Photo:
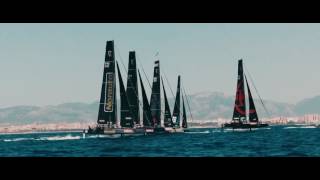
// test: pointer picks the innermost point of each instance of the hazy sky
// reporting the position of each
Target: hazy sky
(48, 64)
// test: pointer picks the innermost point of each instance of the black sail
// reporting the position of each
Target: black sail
(167, 113)
(146, 106)
(132, 87)
(108, 102)
(253, 116)
(176, 109)
(126, 119)
(155, 102)
(184, 115)
(239, 112)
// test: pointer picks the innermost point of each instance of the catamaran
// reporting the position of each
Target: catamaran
(168, 126)
(108, 123)
(172, 122)
(239, 119)
(107, 116)
(129, 123)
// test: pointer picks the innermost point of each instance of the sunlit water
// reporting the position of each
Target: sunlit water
(271, 141)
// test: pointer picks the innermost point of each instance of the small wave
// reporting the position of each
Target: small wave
(237, 130)
(17, 139)
(268, 128)
(199, 132)
(103, 136)
(301, 127)
(309, 127)
(59, 138)
(50, 138)
(291, 127)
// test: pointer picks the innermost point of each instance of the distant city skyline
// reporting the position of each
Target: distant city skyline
(49, 64)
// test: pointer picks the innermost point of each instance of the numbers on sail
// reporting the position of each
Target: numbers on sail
(109, 53)
(107, 65)
(174, 119)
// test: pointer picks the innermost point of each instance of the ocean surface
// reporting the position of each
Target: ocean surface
(283, 141)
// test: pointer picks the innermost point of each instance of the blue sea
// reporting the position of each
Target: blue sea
(283, 141)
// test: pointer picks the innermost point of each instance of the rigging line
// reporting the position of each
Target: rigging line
(174, 100)
(265, 108)
(187, 98)
(143, 71)
(174, 96)
(138, 59)
(136, 93)
(162, 112)
(165, 76)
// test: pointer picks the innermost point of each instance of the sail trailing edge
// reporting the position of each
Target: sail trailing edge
(184, 115)
(176, 109)
(167, 113)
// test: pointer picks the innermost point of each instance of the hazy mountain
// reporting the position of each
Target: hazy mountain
(205, 106)
(308, 106)
(69, 112)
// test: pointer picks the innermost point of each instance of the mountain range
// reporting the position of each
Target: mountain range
(204, 106)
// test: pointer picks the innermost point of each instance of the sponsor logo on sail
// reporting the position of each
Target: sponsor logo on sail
(108, 103)
(109, 53)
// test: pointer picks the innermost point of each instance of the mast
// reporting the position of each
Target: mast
(167, 113)
(155, 102)
(108, 102)
(146, 106)
(253, 116)
(176, 109)
(184, 115)
(239, 113)
(132, 87)
(125, 112)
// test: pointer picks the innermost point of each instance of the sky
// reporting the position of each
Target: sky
(48, 64)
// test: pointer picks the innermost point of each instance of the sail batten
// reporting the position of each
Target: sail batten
(126, 118)
(108, 102)
(176, 110)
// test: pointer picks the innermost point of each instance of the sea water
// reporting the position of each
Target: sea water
(297, 141)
